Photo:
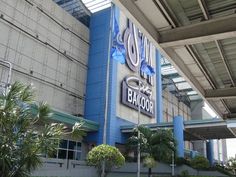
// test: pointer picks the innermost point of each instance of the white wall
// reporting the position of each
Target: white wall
(224, 150)
(54, 76)
(220, 150)
(62, 168)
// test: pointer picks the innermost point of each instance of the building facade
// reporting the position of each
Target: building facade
(71, 66)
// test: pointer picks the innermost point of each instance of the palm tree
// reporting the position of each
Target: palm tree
(158, 144)
(21, 141)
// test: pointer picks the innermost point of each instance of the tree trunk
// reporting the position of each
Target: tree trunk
(149, 172)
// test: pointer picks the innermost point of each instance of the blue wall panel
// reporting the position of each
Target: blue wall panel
(96, 77)
(114, 134)
(179, 134)
(210, 152)
(159, 108)
(99, 55)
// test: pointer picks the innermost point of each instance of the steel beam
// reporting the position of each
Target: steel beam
(171, 76)
(207, 16)
(230, 116)
(221, 51)
(203, 7)
(205, 12)
(226, 93)
(210, 30)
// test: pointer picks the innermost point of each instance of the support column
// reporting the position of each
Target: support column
(210, 152)
(96, 77)
(179, 135)
(159, 110)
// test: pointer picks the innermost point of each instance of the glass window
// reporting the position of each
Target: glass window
(68, 149)
(78, 155)
(72, 145)
(78, 146)
(70, 154)
(63, 144)
(62, 154)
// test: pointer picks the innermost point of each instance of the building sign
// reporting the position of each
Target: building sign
(138, 48)
(135, 93)
(137, 90)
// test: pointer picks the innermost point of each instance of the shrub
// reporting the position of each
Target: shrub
(184, 173)
(104, 154)
(200, 162)
(181, 161)
(149, 162)
(222, 169)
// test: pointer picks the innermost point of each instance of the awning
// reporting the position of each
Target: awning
(71, 120)
(197, 129)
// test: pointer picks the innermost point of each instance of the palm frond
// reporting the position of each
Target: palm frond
(43, 112)
(78, 131)
(159, 144)
(20, 140)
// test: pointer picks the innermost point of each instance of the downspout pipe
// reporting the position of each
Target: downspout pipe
(9, 64)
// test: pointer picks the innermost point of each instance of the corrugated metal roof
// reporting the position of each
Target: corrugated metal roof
(211, 59)
(189, 11)
(96, 5)
(177, 84)
(77, 9)
(82, 9)
(218, 62)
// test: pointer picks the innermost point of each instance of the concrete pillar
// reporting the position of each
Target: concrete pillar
(159, 110)
(179, 135)
(210, 152)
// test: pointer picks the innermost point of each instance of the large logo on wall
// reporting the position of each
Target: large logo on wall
(137, 89)
(136, 93)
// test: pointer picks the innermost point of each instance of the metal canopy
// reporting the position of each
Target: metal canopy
(88, 125)
(198, 37)
(70, 120)
(96, 5)
(198, 130)
(77, 9)
(82, 9)
(209, 129)
(176, 84)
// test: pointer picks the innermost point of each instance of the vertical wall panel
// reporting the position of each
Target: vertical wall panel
(52, 73)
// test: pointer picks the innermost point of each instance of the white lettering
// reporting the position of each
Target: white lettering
(130, 95)
(135, 83)
(147, 105)
(135, 99)
(151, 107)
(143, 102)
